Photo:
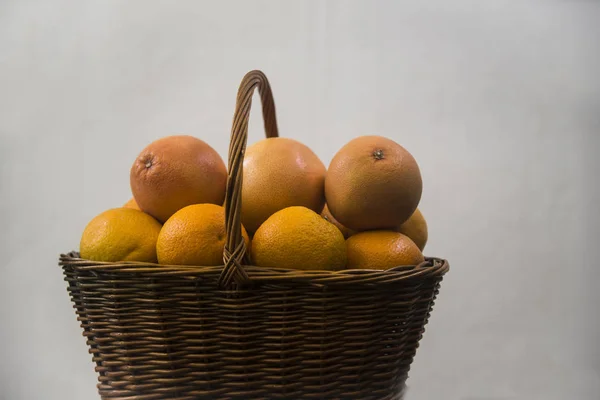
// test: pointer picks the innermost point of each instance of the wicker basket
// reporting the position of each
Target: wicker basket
(243, 332)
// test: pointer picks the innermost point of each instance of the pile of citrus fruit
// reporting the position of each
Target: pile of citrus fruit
(360, 213)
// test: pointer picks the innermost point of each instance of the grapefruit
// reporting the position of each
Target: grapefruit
(373, 183)
(177, 171)
(280, 173)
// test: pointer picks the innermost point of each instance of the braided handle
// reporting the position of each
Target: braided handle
(234, 254)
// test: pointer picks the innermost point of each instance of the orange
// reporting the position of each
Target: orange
(373, 183)
(120, 234)
(381, 250)
(194, 235)
(328, 217)
(416, 229)
(298, 238)
(280, 173)
(131, 204)
(174, 172)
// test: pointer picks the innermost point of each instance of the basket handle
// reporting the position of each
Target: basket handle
(234, 254)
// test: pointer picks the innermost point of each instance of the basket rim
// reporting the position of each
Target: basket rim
(432, 267)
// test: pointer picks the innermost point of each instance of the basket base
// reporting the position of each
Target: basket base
(162, 396)
(157, 335)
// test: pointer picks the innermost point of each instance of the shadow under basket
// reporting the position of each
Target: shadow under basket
(242, 332)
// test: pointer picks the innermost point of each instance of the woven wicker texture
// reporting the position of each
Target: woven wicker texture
(244, 332)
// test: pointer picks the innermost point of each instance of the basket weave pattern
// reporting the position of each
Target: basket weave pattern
(243, 332)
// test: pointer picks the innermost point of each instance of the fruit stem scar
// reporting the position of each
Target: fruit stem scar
(378, 154)
(148, 162)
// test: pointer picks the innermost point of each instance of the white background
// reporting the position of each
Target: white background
(498, 101)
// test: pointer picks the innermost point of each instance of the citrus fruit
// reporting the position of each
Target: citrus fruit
(174, 172)
(120, 234)
(299, 238)
(131, 204)
(381, 250)
(416, 229)
(280, 173)
(372, 183)
(194, 235)
(328, 217)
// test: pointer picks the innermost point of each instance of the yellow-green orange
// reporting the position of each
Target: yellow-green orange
(120, 234)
